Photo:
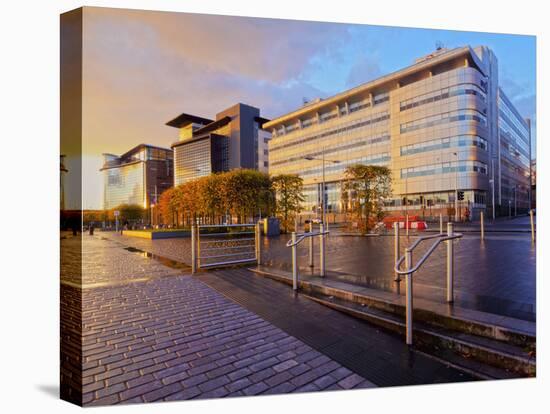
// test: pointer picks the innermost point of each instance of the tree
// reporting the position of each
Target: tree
(289, 196)
(245, 192)
(364, 190)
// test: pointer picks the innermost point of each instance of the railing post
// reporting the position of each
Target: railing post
(450, 264)
(482, 224)
(193, 249)
(532, 225)
(258, 244)
(409, 298)
(310, 241)
(440, 223)
(322, 249)
(396, 247)
(407, 224)
(294, 263)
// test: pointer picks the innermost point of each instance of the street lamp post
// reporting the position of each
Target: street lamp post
(324, 160)
(492, 181)
(456, 188)
(515, 200)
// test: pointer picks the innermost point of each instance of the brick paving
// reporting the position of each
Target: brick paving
(138, 331)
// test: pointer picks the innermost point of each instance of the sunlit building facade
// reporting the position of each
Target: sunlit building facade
(443, 126)
(138, 177)
(235, 139)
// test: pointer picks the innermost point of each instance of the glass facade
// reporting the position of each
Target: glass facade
(432, 123)
(125, 185)
(192, 160)
(137, 177)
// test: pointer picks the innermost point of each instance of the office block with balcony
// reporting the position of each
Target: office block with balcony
(137, 177)
(442, 125)
(235, 139)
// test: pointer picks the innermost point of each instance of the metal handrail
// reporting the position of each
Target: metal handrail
(205, 226)
(302, 236)
(440, 237)
(297, 239)
(407, 257)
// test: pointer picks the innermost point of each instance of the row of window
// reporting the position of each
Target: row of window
(353, 144)
(444, 168)
(512, 118)
(374, 118)
(457, 90)
(442, 143)
(454, 116)
(326, 116)
(381, 158)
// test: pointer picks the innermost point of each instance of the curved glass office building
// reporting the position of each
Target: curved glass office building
(442, 125)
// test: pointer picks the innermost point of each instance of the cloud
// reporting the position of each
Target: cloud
(365, 69)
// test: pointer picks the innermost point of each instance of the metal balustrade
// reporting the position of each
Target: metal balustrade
(410, 269)
(296, 239)
(211, 248)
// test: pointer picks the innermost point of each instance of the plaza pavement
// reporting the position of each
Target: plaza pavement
(496, 275)
(142, 332)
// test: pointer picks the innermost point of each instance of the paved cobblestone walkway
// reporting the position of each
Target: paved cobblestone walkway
(171, 337)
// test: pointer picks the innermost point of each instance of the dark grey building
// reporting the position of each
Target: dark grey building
(235, 139)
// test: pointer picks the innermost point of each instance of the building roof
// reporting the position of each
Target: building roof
(380, 82)
(212, 126)
(140, 146)
(186, 119)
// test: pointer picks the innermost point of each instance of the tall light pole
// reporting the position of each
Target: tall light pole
(310, 158)
(492, 181)
(456, 187)
(515, 200)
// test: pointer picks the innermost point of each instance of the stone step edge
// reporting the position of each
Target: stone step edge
(492, 331)
(424, 340)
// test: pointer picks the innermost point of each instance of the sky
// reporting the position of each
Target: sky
(143, 68)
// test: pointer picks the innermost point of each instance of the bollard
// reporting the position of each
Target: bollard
(322, 249)
(310, 241)
(482, 224)
(450, 264)
(258, 244)
(407, 224)
(532, 225)
(193, 249)
(440, 223)
(396, 247)
(294, 263)
(409, 295)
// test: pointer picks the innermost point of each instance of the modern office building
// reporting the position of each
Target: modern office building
(235, 139)
(137, 177)
(442, 125)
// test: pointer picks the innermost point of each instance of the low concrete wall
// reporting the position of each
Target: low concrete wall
(156, 234)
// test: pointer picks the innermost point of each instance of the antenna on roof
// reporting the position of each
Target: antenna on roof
(439, 45)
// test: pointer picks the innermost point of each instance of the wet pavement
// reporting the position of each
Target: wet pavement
(135, 330)
(495, 275)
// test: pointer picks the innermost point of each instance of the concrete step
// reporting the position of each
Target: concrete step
(505, 346)
(483, 357)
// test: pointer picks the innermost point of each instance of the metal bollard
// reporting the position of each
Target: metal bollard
(193, 249)
(407, 225)
(440, 223)
(294, 263)
(532, 225)
(409, 296)
(450, 264)
(258, 244)
(322, 249)
(310, 241)
(482, 224)
(396, 247)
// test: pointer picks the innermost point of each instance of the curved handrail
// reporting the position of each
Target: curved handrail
(440, 237)
(302, 236)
